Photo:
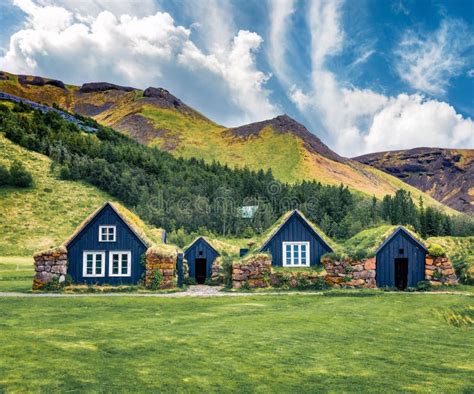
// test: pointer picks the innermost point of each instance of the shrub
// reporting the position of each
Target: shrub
(349, 269)
(54, 285)
(302, 282)
(320, 284)
(156, 279)
(19, 176)
(190, 280)
(423, 285)
(360, 254)
(437, 275)
(227, 271)
(436, 250)
(4, 176)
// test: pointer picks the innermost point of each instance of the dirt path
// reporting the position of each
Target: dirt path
(197, 291)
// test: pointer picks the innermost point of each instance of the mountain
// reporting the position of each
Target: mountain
(157, 118)
(445, 174)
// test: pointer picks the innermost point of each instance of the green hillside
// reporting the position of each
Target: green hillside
(162, 120)
(46, 214)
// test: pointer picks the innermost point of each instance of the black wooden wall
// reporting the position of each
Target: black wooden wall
(296, 230)
(88, 240)
(200, 249)
(385, 269)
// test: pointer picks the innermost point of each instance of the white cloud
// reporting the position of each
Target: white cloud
(91, 8)
(407, 121)
(428, 62)
(280, 13)
(141, 51)
(214, 25)
(360, 120)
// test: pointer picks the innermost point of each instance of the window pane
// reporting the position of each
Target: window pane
(303, 253)
(124, 264)
(296, 255)
(115, 264)
(98, 264)
(89, 264)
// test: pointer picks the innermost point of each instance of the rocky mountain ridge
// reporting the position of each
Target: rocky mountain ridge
(445, 174)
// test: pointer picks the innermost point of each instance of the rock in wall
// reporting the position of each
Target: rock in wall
(439, 271)
(49, 265)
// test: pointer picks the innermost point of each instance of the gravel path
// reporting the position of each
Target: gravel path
(197, 291)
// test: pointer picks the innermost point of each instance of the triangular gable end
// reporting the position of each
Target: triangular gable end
(305, 223)
(205, 241)
(394, 234)
(91, 217)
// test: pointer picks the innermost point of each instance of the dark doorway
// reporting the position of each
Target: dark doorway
(200, 270)
(401, 273)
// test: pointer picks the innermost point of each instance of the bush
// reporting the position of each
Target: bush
(227, 268)
(54, 285)
(156, 279)
(4, 176)
(436, 250)
(320, 284)
(190, 281)
(19, 176)
(423, 285)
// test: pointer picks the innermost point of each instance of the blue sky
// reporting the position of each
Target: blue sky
(364, 75)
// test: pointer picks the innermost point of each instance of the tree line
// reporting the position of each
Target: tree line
(191, 196)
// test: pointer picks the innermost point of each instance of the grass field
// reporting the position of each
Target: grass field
(16, 273)
(383, 343)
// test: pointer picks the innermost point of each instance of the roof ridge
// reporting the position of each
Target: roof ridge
(91, 217)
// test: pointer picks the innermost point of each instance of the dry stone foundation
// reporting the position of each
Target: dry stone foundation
(50, 265)
(253, 272)
(165, 262)
(439, 271)
(217, 272)
(350, 272)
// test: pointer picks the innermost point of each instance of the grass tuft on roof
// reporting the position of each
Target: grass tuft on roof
(365, 243)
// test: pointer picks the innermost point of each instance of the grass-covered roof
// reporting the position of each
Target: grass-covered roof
(150, 236)
(366, 242)
(267, 235)
(224, 247)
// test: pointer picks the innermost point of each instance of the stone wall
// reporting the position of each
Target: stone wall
(217, 272)
(350, 273)
(439, 271)
(254, 271)
(50, 265)
(163, 261)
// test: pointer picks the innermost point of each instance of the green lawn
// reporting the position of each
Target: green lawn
(16, 273)
(382, 343)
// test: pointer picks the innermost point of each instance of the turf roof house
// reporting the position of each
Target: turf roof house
(203, 256)
(107, 248)
(295, 242)
(200, 256)
(400, 260)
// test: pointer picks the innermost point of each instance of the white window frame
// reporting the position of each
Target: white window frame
(298, 245)
(114, 233)
(94, 262)
(127, 253)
